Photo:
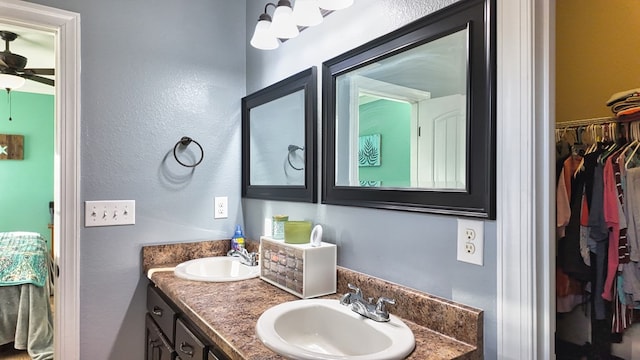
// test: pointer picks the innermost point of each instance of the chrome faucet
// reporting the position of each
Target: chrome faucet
(246, 258)
(355, 301)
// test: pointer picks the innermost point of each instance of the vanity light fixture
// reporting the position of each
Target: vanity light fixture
(307, 13)
(334, 4)
(287, 21)
(263, 38)
(283, 26)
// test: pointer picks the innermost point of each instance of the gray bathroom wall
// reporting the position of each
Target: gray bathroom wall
(416, 250)
(152, 72)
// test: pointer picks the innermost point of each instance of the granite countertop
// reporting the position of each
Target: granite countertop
(227, 312)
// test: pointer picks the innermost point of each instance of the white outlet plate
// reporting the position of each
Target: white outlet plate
(470, 241)
(221, 207)
(109, 213)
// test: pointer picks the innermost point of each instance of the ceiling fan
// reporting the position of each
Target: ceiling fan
(14, 64)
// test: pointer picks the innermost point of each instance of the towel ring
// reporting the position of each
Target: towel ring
(293, 149)
(185, 141)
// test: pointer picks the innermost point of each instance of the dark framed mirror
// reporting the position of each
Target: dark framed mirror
(279, 134)
(409, 118)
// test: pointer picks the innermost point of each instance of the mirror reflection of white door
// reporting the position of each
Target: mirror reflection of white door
(441, 143)
(366, 89)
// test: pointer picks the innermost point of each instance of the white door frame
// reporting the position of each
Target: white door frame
(66, 27)
(525, 107)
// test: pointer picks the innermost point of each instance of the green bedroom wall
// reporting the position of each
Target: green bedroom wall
(392, 120)
(26, 186)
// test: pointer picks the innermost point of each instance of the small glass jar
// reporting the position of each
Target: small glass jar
(277, 228)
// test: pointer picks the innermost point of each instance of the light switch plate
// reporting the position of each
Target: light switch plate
(109, 213)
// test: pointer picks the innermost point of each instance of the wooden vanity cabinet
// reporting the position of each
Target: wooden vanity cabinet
(172, 336)
(213, 356)
(188, 346)
(157, 346)
(161, 312)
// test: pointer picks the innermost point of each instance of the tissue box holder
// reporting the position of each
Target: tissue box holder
(300, 269)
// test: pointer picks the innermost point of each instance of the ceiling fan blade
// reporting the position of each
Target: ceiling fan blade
(32, 71)
(40, 79)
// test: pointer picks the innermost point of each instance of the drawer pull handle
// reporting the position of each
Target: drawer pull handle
(157, 311)
(186, 348)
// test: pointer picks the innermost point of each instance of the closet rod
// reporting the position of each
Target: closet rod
(584, 122)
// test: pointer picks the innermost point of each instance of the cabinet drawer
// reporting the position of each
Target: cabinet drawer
(161, 312)
(214, 356)
(188, 346)
(157, 346)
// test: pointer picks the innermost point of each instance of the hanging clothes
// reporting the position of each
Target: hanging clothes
(569, 256)
(593, 245)
(615, 220)
(633, 211)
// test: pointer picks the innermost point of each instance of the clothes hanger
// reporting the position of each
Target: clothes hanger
(632, 138)
(591, 130)
(613, 128)
(612, 147)
(630, 157)
(580, 166)
(635, 130)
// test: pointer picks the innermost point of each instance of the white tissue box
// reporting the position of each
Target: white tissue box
(300, 269)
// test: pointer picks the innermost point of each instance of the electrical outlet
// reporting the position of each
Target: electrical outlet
(469, 248)
(470, 242)
(220, 207)
(470, 234)
(109, 213)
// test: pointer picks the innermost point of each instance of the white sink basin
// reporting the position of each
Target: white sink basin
(325, 329)
(216, 269)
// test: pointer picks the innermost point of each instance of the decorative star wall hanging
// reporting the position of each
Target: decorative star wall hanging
(11, 147)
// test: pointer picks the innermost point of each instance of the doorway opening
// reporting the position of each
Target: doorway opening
(65, 26)
(594, 287)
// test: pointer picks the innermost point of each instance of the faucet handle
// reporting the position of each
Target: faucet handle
(254, 258)
(357, 291)
(381, 302)
(346, 299)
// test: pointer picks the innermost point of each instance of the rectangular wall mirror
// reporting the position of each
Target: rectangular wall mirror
(279, 140)
(408, 118)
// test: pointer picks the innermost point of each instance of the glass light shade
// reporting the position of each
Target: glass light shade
(8, 81)
(263, 38)
(334, 4)
(307, 13)
(283, 26)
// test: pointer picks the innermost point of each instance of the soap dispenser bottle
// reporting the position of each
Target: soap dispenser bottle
(237, 241)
